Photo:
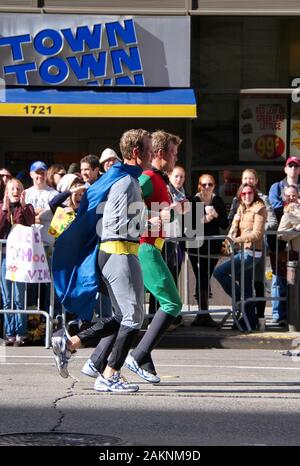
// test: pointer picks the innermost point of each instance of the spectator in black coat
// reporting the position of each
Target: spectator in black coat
(215, 217)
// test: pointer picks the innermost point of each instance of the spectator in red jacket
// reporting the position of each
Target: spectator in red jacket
(13, 210)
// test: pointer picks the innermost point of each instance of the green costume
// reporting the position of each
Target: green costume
(157, 276)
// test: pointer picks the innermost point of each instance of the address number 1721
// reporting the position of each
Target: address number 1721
(38, 109)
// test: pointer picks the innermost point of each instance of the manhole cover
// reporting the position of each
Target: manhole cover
(57, 439)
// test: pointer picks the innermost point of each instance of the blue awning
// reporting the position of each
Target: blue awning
(66, 102)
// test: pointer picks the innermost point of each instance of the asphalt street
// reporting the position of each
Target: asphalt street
(206, 397)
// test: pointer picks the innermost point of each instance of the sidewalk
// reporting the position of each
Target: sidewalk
(274, 337)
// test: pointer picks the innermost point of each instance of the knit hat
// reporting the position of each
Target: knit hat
(108, 154)
(74, 168)
(66, 182)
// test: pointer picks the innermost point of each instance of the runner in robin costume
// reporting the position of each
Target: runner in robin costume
(157, 276)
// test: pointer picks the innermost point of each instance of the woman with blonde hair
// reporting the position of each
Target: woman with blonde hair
(251, 219)
(13, 210)
(203, 265)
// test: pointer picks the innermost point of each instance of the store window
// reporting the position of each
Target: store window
(229, 56)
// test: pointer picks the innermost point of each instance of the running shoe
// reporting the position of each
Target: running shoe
(61, 354)
(117, 384)
(89, 369)
(132, 365)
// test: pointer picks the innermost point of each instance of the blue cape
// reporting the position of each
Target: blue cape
(75, 270)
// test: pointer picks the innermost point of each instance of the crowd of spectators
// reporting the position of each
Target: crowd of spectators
(251, 214)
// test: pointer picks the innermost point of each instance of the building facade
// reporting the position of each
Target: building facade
(239, 57)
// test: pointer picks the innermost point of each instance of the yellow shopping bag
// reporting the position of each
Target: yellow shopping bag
(61, 220)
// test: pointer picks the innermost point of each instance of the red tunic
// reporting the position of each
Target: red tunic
(156, 197)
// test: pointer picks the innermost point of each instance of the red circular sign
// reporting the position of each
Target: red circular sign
(269, 146)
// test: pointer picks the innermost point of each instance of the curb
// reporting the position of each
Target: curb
(204, 340)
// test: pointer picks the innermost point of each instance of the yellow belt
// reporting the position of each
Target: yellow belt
(119, 247)
(159, 243)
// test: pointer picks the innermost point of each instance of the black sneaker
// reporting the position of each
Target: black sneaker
(282, 323)
(178, 322)
(204, 320)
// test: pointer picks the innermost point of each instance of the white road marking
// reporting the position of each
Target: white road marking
(230, 367)
(26, 364)
(192, 366)
(28, 357)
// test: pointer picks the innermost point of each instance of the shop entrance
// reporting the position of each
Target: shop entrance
(67, 140)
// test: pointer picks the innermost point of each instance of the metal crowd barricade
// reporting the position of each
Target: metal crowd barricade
(275, 268)
(235, 310)
(194, 244)
(48, 314)
(238, 308)
(191, 245)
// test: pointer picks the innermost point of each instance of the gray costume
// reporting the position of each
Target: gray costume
(121, 273)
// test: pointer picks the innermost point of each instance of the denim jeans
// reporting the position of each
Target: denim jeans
(14, 324)
(278, 290)
(223, 275)
(45, 288)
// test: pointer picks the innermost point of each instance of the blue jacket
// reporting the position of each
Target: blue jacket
(275, 194)
(75, 271)
(276, 197)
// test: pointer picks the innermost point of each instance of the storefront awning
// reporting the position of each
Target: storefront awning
(95, 103)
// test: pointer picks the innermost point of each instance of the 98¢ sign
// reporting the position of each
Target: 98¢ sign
(269, 146)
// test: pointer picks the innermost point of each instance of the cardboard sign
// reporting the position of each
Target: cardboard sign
(25, 256)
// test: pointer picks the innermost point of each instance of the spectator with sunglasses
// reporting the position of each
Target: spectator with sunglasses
(276, 198)
(250, 176)
(203, 266)
(54, 174)
(5, 175)
(251, 218)
(292, 171)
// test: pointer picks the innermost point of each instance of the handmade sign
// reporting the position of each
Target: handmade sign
(25, 256)
(61, 220)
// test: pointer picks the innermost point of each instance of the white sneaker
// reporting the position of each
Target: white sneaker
(61, 355)
(117, 384)
(90, 370)
(20, 340)
(132, 365)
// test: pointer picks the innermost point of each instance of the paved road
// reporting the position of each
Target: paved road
(206, 397)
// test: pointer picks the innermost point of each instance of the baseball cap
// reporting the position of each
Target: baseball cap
(38, 165)
(293, 160)
(108, 154)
